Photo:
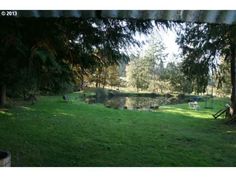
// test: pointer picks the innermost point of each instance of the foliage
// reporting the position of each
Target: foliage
(138, 74)
(146, 71)
(104, 76)
(49, 48)
(178, 80)
(201, 45)
(113, 76)
(223, 78)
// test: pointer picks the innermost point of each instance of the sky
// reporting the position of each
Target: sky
(168, 37)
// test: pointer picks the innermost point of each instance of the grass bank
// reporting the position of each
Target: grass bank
(57, 133)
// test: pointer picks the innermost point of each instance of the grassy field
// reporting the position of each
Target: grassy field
(57, 133)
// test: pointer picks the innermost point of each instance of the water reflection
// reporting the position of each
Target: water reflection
(131, 102)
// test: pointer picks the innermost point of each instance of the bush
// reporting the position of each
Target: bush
(172, 100)
(181, 96)
(168, 95)
(100, 92)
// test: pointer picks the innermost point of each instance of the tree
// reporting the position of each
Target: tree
(202, 44)
(178, 80)
(223, 78)
(49, 48)
(145, 71)
(113, 78)
(138, 74)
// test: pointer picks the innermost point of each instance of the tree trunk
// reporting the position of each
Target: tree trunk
(2, 95)
(233, 80)
(81, 81)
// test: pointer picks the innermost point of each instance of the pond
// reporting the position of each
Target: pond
(130, 102)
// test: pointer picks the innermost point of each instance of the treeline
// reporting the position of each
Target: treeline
(153, 72)
(50, 55)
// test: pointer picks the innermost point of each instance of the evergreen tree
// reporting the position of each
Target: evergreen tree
(48, 49)
(202, 44)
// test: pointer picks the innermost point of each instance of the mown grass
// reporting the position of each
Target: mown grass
(57, 133)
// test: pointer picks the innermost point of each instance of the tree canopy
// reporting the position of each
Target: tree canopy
(202, 46)
(146, 72)
(43, 51)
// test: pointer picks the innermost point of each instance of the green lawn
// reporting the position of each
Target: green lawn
(55, 133)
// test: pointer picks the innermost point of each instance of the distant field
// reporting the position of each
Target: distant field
(57, 133)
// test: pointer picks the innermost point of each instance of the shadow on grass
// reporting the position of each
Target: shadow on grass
(78, 134)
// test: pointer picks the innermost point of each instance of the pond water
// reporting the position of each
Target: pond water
(129, 102)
